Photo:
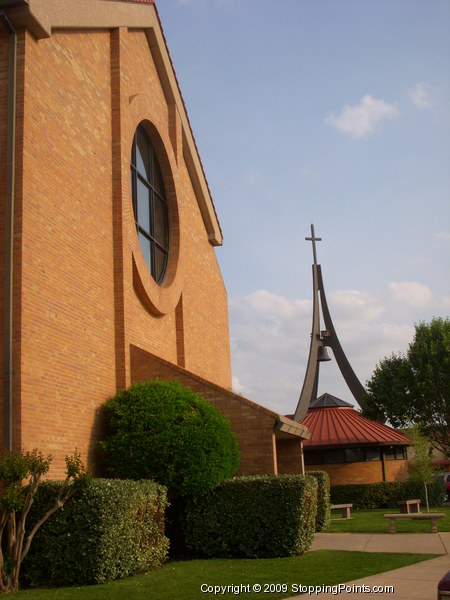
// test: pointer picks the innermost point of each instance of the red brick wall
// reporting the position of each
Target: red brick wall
(289, 456)
(77, 302)
(81, 296)
(203, 345)
(363, 472)
(3, 120)
(67, 354)
(396, 470)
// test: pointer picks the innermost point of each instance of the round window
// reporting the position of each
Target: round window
(149, 205)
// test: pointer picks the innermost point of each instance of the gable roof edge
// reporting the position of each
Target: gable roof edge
(40, 17)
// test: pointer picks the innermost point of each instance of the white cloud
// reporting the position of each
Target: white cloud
(267, 303)
(352, 305)
(236, 385)
(422, 96)
(361, 119)
(411, 293)
(270, 338)
(443, 235)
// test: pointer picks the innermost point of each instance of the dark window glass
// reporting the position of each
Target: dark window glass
(143, 155)
(157, 179)
(354, 455)
(372, 454)
(143, 206)
(334, 456)
(313, 457)
(146, 249)
(160, 219)
(149, 205)
(399, 453)
(160, 263)
(389, 453)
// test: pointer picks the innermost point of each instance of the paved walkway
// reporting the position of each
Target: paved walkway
(416, 582)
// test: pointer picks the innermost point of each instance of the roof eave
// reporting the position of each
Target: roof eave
(285, 427)
(357, 444)
(41, 17)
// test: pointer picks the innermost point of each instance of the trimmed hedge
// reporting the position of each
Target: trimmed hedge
(386, 494)
(111, 529)
(162, 430)
(323, 515)
(254, 517)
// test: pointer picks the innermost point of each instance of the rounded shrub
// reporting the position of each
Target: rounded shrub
(161, 430)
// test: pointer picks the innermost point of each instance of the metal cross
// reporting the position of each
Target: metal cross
(313, 239)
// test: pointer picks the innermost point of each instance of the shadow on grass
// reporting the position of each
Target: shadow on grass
(183, 579)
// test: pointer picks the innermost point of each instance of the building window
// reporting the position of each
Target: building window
(149, 205)
(354, 455)
(394, 453)
(373, 454)
(349, 455)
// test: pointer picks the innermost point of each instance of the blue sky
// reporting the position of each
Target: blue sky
(329, 112)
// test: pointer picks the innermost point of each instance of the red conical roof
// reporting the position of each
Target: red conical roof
(343, 426)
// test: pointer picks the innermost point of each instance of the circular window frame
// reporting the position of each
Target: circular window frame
(158, 298)
(153, 225)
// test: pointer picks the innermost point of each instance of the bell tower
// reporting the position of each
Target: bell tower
(320, 341)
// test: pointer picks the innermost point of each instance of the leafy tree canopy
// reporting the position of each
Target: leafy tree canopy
(414, 388)
(161, 430)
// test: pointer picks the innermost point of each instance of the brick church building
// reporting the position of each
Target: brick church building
(109, 272)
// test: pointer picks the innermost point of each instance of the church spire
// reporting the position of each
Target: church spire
(313, 239)
(320, 340)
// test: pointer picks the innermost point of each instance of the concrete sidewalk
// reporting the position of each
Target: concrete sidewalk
(416, 582)
(423, 543)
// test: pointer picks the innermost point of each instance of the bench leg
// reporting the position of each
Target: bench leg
(345, 513)
(392, 525)
(433, 525)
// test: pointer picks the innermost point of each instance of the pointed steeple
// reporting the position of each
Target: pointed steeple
(320, 340)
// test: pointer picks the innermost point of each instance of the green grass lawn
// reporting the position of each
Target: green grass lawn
(184, 579)
(372, 521)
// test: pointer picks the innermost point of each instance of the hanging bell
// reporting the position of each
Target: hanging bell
(322, 354)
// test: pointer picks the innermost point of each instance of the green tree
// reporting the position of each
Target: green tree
(163, 431)
(21, 473)
(419, 466)
(415, 387)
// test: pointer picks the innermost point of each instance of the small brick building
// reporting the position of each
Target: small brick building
(109, 273)
(351, 448)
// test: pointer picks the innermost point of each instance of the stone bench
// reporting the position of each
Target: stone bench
(409, 506)
(344, 508)
(432, 517)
